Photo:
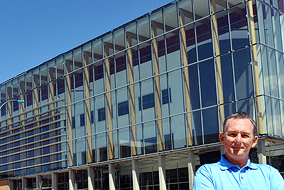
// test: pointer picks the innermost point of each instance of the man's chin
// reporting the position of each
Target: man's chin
(236, 152)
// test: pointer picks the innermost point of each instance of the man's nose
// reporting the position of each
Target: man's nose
(238, 138)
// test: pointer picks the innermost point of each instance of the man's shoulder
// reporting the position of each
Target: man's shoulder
(264, 167)
(208, 167)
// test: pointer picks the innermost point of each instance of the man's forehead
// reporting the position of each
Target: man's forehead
(239, 131)
(237, 122)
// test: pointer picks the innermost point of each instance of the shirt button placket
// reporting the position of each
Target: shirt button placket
(243, 180)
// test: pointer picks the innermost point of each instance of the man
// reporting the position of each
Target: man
(235, 170)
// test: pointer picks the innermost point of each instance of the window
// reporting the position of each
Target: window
(74, 159)
(84, 157)
(30, 133)
(44, 129)
(73, 122)
(17, 165)
(123, 108)
(92, 116)
(166, 96)
(44, 92)
(15, 106)
(15, 144)
(148, 101)
(45, 159)
(44, 142)
(94, 155)
(46, 150)
(30, 140)
(82, 120)
(16, 157)
(16, 131)
(4, 140)
(4, 147)
(150, 145)
(16, 137)
(167, 139)
(125, 150)
(4, 160)
(30, 154)
(44, 136)
(30, 162)
(103, 154)
(101, 114)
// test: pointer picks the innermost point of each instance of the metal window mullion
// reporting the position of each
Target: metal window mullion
(153, 81)
(231, 55)
(32, 158)
(115, 94)
(130, 122)
(30, 130)
(200, 103)
(198, 72)
(279, 87)
(27, 167)
(33, 149)
(28, 138)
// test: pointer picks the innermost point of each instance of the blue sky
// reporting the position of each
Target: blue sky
(34, 31)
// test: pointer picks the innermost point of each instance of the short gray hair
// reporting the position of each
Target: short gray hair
(241, 115)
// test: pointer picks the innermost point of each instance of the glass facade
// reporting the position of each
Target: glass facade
(159, 85)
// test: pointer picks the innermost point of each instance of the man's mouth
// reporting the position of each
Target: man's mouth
(237, 147)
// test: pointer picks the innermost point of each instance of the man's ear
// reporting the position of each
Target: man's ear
(221, 137)
(254, 141)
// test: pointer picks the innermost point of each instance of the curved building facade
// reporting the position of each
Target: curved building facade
(141, 106)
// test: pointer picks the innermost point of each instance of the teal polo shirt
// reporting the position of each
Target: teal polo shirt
(224, 175)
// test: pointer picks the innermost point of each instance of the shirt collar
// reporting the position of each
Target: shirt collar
(224, 164)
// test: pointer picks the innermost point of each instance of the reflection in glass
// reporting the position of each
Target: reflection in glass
(207, 83)
(243, 73)
(210, 125)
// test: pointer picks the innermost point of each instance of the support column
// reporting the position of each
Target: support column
(162, 173)
(24, 183)
(191, 167)
(9, 107)
(131, 96)
(51, 88)
(218, 68)
(261, 152)
(10, 185)
(111, 175)
(88, 108)
(158, 98)
(135, 174)
(255, 66)
(38, 181)
(108, 102)
(22, 97)
(186, 85)
(71, 180)
(69, 111)
(54, 181)
(91, 179)
(36, 96)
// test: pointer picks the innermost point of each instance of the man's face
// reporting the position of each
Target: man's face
(238, 139)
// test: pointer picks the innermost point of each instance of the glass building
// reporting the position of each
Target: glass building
(141, 106)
